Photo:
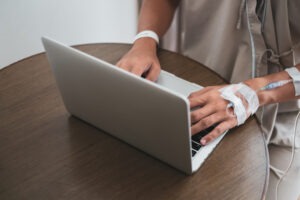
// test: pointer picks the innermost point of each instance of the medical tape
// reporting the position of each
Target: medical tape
(251, 97)
(295, 75)
(241, 112)
(228, 93)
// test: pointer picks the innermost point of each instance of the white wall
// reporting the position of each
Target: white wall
(23, 22)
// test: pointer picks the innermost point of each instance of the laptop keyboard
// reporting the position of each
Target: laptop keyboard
(196, 146)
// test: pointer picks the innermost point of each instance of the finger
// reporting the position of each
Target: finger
(139, 70)
(207, 122)
(200, 92)
(198, 102)
(204, 90)
(218, 130)
(118, 63)
(125, 66)
(201, 113)
(153, 72)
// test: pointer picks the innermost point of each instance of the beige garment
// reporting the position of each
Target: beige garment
(240, 39)
(289, 187)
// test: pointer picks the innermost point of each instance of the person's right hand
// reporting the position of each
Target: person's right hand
(142, 59)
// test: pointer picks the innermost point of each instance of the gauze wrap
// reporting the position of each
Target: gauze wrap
(242, 98)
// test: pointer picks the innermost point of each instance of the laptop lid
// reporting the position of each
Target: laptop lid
(137, 111)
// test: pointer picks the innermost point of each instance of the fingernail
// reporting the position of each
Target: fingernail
(203, 141)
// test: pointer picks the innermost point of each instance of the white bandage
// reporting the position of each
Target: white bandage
(147, 33)
(233, 93)
(295, 75)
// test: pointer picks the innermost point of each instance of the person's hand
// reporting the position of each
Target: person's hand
(142, 60)
(209, 108)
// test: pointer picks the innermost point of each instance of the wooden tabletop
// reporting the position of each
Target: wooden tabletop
(47, 154)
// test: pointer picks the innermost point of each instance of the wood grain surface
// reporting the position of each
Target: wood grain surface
(47, 154)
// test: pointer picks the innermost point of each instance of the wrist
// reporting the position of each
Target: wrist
(145, 43)
(147, 34)
(269, 96)
(263, 96)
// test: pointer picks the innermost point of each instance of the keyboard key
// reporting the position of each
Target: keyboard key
(193, 152)
(196, 145)
(196, 139)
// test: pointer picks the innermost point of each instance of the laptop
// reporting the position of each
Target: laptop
(151, 116)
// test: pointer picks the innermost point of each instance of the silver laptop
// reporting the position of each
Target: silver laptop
(154, 117)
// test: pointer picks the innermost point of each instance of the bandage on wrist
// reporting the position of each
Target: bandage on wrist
(234, 94)
(295, 75)
(147, 33)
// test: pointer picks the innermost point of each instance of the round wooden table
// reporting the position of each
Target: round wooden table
(47, 154)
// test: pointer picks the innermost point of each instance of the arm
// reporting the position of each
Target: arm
(155, 15)
(213, 108)
(281, 94)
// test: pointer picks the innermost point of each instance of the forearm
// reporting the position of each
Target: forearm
(156, 15)
(281, 94)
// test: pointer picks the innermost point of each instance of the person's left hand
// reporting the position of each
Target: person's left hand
(209, 108)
